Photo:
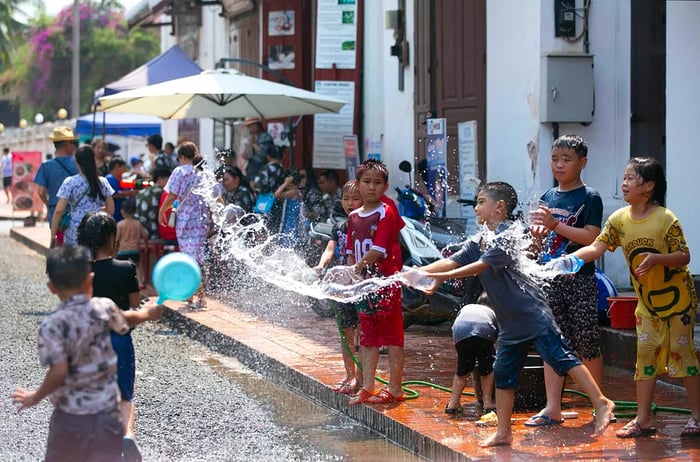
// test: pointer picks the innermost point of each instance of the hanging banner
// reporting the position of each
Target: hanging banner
(352, 155)
(25, 196)
(436, 130)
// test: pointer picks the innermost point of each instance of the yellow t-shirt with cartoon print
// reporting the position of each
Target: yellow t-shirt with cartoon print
(664, 291)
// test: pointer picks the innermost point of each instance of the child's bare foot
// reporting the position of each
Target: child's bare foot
(497, 440)
(602, 416)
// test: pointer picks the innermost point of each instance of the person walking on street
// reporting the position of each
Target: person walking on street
(52, 172)
(7, 173)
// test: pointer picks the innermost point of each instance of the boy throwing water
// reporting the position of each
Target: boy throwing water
(524, 318)
(373, 247)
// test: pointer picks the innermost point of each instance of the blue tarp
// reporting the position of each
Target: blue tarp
(173, 64)
(115, 123)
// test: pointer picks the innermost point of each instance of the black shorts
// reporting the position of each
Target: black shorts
(6, 181)
(474, 351)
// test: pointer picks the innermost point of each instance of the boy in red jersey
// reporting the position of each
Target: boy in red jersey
(373, 247)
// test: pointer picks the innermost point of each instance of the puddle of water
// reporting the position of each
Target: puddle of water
(331, 433)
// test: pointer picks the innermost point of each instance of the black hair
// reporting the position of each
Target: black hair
(275, 152)
(236, 173)
(170, 145)
(129, 206)
(310, 178)
(330, 174)
(161, 172)
(156, 140)
(116, 162)
(573, 142)
(502, 191)
(651, 170)
(85, 158)
(67, 267)
(372, 164)
(96, 230)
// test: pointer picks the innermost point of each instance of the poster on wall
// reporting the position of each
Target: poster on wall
(352, 155)
(374, 148)
(435, 154)
(280, 23)
(468, 169)
(281, 57)
(25, 196)
(329, 129)
(336, 36)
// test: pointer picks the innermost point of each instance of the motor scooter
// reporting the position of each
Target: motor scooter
(442, 231)
(418, 308)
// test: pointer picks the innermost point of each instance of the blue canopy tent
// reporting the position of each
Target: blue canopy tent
(173, 64)
(115, 123)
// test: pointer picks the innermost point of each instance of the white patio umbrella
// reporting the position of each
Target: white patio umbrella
(219, 94)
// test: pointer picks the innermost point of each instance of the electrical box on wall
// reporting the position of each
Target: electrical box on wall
(564, 18)
(566, 91)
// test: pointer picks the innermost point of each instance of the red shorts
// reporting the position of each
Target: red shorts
(385, 326)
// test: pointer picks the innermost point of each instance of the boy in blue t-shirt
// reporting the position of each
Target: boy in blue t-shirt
(524, 317)
(571, 219)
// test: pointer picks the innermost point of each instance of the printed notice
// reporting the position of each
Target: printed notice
(329, 129)
(336, 36)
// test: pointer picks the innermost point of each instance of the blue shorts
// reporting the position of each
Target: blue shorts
(123, 346)
(551, 346)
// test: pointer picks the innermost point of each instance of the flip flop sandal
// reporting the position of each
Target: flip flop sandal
(385, 397)
(633, 430)
(691, 429)
(541, 420)
(346, 387)
(453, 410)
(361, 397)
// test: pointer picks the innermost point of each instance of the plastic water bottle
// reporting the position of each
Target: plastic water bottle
(416, 278)
(567, 264)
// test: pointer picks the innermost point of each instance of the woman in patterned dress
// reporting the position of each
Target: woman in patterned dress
(193, 188)
(84, 192)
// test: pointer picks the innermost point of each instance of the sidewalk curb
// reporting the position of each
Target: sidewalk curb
(311, 388)
(27, 241)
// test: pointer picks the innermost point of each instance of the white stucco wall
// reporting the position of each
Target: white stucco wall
(387, 112)
(513, 101)
(683, 118)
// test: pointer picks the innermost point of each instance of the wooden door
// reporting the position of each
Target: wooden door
(451, 73)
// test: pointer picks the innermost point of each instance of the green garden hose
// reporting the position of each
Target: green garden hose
(622, 408)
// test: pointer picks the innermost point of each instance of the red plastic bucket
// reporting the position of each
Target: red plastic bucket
(621, 312)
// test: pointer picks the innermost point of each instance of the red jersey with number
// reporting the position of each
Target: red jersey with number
(378, 230)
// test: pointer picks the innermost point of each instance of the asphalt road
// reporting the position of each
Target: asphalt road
(191, 404)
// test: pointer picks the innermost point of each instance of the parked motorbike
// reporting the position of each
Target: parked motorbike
(442, 231)
(418, 308)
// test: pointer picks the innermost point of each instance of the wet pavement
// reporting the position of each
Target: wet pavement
(280, 337)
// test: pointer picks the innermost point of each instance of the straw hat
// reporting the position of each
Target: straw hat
(62, 134)
(252, 120)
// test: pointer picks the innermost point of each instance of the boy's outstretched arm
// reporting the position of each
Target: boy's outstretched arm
(54, 378)
(440, 266)
(472, 269)
(151, 311)
(326, 256)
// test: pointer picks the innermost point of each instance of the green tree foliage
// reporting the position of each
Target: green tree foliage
(11, 28)
(41, 75)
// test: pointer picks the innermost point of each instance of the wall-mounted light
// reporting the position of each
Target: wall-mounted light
(22, 123)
